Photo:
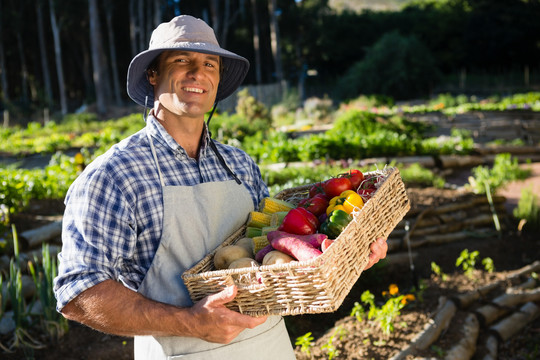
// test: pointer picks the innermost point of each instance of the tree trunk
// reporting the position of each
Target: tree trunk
(512, 324)
(256, 45)
(97, 53)
(3, 70)
(140, 24)
(133, 28)
(24, 70)
(158, 13)
(275, 40)
(58, 57)
(466, 347)
(43, 54)
(109, 6)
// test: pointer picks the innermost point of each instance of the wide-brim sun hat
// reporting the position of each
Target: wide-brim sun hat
(185, 33)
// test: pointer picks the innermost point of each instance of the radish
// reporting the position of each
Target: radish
(291, 245)
(314, 240)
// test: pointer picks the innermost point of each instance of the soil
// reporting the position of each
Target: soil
(351, 338)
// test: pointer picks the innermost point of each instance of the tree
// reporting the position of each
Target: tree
(275, 40)
(58, 56)
(43, 53)
(256, 44)
(109, 8)
(3, 68)
(398, 66)
(97, 54)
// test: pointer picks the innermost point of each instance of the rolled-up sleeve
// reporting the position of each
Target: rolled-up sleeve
(98, 231)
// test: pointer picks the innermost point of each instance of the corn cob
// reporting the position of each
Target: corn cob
(277, 218)
(252, 231)
(270, 205)
(258, 219)
(259, 242)
(265, 230)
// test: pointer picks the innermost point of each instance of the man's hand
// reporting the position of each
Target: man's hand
(221, 325)
(379, 248)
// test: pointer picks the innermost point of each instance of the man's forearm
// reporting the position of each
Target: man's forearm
(112, 308)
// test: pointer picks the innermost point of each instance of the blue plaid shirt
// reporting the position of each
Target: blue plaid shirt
(114, 210)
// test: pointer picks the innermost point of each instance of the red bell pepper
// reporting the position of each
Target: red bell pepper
(299, 221)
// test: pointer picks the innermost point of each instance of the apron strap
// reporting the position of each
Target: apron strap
(153, 148)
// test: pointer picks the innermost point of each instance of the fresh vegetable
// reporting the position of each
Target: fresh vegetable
(326, 244)
(366, 194)
(258, 219)
(259, 256)
(259, 242)
(299, 221)
(276, 257)
(355, 176)
(277, 218)
(252, 231)
(295, 247)
(242, 263)
(314, 240)
(246, 243)
(227, 254)
(315, 205)
(265, 230)
(335, 223)
(347, 201)
(316, 189)
(335, 186)
(270, 205)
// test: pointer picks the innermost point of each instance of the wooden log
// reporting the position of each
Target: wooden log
(431, 331)
(465, 300)
(514, 323)
(466, 346)
(490, 348)
(501, 305)
(399, 259)
(36, 237)
(455, 161)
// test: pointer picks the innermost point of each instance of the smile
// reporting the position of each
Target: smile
(192, 89)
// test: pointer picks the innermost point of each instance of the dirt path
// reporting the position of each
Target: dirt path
(512, 191)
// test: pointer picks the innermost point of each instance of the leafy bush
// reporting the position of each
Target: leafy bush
(396, 65)
(505, 169)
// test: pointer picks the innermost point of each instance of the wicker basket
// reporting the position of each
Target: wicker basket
(307, 287)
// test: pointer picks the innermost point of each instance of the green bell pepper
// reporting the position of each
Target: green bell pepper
(335, 223)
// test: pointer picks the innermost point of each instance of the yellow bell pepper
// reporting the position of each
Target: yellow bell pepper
(347, 201)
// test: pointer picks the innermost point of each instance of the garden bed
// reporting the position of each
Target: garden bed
(509, 252)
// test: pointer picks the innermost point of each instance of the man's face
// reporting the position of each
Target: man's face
(186, 82)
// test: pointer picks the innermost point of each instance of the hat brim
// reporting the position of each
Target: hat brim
(235, 69)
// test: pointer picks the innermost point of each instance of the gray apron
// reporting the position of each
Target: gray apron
(196, 219)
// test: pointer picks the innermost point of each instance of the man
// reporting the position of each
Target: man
(157, 203)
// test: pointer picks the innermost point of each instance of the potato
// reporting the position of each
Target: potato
(243, 263)
(227, 254)
(246, 243)
(277, 257)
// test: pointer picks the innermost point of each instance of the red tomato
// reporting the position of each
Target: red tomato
(315, 205)
(355, 176)
(366, 194)
(336, 186)
(317, 188)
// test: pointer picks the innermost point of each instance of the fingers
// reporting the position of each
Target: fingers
(378, 248)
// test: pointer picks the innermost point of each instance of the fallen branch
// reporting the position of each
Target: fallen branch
(432, 330)
(42, 234)
(466, 347)
(514, 323)
(465, 300)
(503, 304)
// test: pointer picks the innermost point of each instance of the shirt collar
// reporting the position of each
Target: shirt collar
(158, 131)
